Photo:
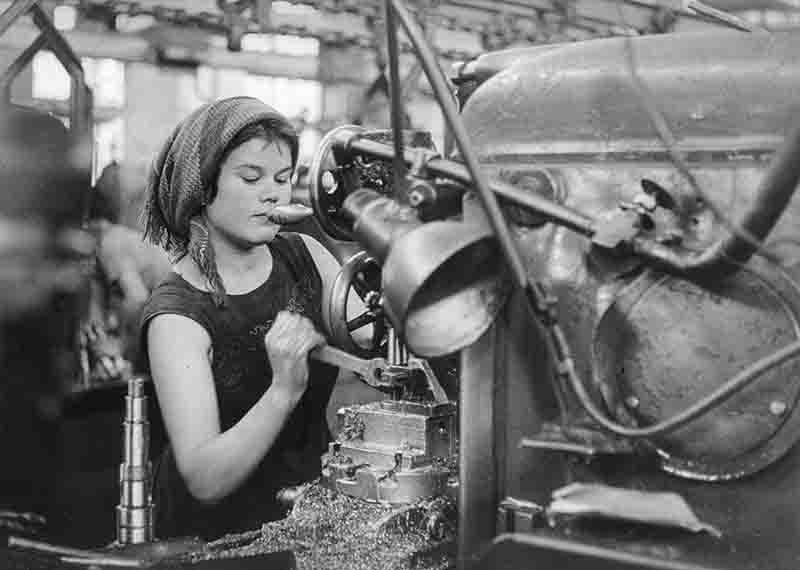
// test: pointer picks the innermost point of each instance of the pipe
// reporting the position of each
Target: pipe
(723, 257)
(440, 167)
(13, 13)
(395, 98)
(16, 67)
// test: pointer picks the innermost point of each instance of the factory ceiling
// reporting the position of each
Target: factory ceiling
(462, 27)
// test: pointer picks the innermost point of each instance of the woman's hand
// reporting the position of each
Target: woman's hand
(287, 342)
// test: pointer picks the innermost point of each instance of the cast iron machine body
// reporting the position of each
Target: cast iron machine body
(644, 345)
(650, 340)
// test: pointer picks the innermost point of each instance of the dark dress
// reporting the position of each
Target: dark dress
(241, 376)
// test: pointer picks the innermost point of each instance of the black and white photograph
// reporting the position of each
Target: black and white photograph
(399, 284)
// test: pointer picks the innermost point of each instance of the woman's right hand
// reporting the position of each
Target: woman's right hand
(288, 342)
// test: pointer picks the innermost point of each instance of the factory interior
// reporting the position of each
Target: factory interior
(531, 296)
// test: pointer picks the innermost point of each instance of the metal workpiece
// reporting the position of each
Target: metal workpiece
(135, 512)
(696, 371)
(398, 487)
(394, 451)
(428, 429)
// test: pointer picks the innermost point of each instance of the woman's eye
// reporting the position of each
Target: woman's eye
(251, 179)
(282, 179)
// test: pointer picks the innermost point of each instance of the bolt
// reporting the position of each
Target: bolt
(632, 401)
(777, 408)
(415, 198)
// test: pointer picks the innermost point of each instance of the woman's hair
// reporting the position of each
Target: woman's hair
(200, 249)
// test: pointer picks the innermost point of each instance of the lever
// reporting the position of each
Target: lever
(370, 368)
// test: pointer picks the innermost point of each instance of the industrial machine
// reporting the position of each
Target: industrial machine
(612, 247)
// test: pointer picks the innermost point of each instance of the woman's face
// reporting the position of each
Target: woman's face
(254, 178)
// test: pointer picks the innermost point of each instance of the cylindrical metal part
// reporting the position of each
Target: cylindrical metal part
(136, 387)
(135, 494)
(135, 535)
(135, 511)
(134, 472)
(136, 409)
(397, 351)
(134, 517)
(137, 439)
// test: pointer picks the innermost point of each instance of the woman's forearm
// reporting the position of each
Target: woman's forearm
(217, 467)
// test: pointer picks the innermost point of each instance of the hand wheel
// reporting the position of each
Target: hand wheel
(360, 274)
(329, 181)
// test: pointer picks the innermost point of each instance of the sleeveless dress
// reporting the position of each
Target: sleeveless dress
(241, 376)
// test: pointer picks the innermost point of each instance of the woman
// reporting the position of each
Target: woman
(228, 333)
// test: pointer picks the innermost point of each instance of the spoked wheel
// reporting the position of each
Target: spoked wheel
(328, 183)
(360, 275)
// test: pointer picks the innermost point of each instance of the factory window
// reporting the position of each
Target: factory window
(281, 44)
(106, 78)
(65, 17)
(296, 98)
(109, 138)
(50, 79)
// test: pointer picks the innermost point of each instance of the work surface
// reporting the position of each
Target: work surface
(328, 530)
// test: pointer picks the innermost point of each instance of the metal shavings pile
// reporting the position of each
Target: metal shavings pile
(352, 426)
(331, 531)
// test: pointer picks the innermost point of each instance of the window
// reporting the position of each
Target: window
(50, 79)
(65, 17)
(106, 78)
(109, 140)
(295, 98)
(281, 44)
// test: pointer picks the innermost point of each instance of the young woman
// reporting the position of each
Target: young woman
(228, 333)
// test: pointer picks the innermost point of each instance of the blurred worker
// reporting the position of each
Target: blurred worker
(127, 270)
(41, 274)
(229, 332)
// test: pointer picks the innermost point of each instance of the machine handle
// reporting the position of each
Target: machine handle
(371, 369)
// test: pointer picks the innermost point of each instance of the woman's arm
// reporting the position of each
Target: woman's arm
(215, 463)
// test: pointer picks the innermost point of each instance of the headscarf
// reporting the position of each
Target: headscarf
(182, 179)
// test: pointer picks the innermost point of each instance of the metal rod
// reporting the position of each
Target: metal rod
(436, 78)
(396, 102)
(440, 167)
(16, 67)
(13, 12)
(80, 114)
(39, 546)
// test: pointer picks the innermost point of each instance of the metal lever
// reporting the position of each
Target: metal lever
(371, 369)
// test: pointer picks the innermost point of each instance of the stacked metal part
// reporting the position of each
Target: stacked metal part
(135, 509)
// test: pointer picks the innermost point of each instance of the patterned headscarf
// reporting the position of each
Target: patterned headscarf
(182, 179)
